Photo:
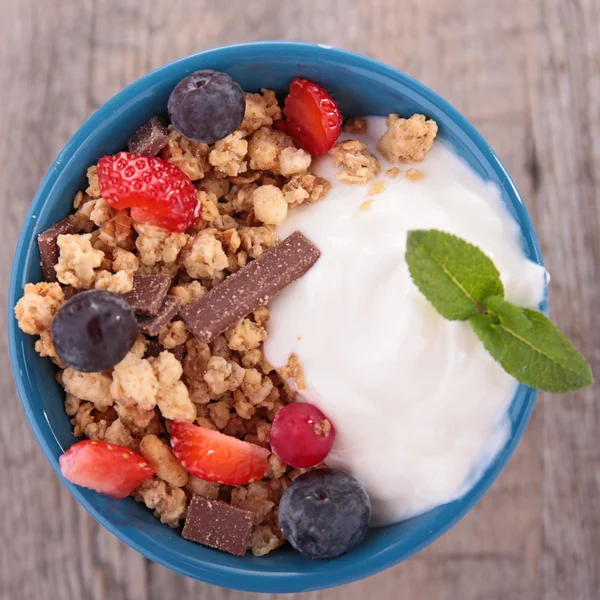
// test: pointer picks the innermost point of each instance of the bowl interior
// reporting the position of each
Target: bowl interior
(361, 86)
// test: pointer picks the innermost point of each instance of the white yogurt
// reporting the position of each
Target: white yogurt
(418, 405)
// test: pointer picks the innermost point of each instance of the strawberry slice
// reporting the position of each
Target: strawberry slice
(214, 456)
(311, 117)
(157, 192)
(107, 468)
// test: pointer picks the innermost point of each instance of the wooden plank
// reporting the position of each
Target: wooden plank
(567, 133)
(527, 74)
(51, 548)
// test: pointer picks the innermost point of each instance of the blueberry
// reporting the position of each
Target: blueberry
(93, 331)
(324, 513)
(206, 106)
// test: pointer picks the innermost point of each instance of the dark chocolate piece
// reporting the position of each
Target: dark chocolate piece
(49, 247)
(155, 348)
(151, 325)
(250, 287)
(218, 525)
(179, 352)
(148, 293)
(149, 139)
(69, 291)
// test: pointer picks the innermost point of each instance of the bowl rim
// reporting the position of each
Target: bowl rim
(222, 575)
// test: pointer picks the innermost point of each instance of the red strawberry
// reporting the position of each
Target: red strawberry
(156, 191)
(107, 468)
(312, 117)
(214, 456)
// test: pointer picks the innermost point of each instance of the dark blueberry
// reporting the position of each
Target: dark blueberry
(93, 331)
(324, 513)
(206, 106)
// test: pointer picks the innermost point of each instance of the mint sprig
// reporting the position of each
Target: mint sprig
(462, 283)
(455, 276)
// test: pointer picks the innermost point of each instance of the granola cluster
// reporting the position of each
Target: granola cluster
(247, 183)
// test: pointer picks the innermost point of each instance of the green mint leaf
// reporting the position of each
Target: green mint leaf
(537, 354)
(455, 276)
(502, 311)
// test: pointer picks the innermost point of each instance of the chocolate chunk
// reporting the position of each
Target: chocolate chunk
(155, 348)
(69, 291)
(149, 139)
(250, 287)
(218, 525)
(151, 325)
(148, 293)
(49, 247)
(179, 352)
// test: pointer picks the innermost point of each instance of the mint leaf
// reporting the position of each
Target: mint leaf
(502, 311)
(455, 276)
(537, 353)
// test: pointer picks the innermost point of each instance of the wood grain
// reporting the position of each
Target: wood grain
(527, 74)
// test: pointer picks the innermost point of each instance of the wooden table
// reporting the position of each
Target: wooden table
(527, 74)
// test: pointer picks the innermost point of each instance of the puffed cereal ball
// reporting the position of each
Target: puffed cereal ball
(270, 206)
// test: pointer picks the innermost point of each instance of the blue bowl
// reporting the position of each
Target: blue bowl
(361, 86)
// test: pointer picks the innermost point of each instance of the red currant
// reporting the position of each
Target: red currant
(301, 435)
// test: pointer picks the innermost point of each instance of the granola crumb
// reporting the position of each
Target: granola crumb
(376, 187)
(366, 205)
(393, 172)
(255, 386)
(243, 407)
(173, 398)
(163, 461)
(214, 185)
(255, 240)
(322, 428)
(261, 110)
(305, 188)
(227, 156)
(270, 206)
(188, 292)
(118, 433)
(92, 387)
(264, 148)
(190, 157)
(265, 539)
(414, 175)
(93, 190)
(204, 255)
(245, 336)
(276, 467)
(293, 370)
(407, 140)
(117, 232)
(222, 375)
(77, 260)
(206, 489)
(168, 503)
(120, 282)
(139, 421)
(293, 161)
(156, 245)
(38, 305)
(101, 213)
(355, 125)
(173, 334)
(134, 382)
(219, 413)
(358, 164)
(123, 260)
